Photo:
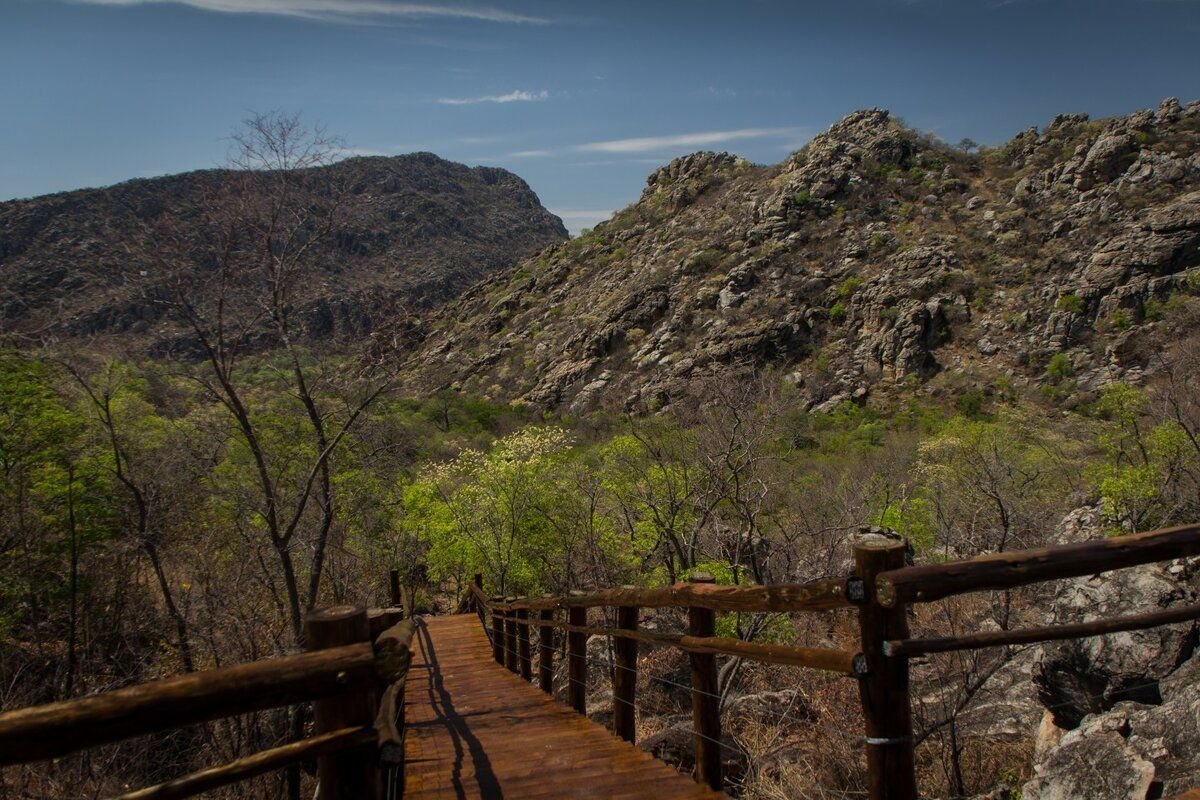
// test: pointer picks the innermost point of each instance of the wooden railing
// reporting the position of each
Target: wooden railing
(356, 664)
(353, 672)
(882, 588)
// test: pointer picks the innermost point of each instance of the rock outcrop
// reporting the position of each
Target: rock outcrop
(873, 258)
(1132, 751)
(1079, 677)
(1128, 701)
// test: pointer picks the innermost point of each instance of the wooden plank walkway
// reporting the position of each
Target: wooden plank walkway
(475, 730)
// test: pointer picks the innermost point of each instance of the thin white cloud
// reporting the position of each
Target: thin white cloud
(515, 96)
(341, 10)
(717, 91)
(531, 154)
(646, 144)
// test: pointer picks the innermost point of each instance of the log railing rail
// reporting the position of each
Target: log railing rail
(881, 588)
(1015, 568)
(353, 672)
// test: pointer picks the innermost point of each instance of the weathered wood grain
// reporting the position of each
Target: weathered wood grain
(253, 765)
(474, 730)
(1022, 567)
(812, 596)
(706, 699)
(346, 774)
(884, 691)
(53, 730)
(1049, 633)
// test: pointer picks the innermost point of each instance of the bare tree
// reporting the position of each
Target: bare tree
(240, 263)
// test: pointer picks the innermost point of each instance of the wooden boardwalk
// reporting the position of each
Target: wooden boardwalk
(475, 730)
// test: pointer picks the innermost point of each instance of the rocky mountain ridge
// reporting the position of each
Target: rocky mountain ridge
(872, 258)
(417, 228)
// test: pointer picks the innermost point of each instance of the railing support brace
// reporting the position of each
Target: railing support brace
(887, 710)
(577, 661)
(706, 701)
(523, 644)
(498, 644)
(351, 774)
(510, 639)
(546, 652)
(625, 676)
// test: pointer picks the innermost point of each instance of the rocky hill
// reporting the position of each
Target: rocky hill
(872, 259)
(417, 228)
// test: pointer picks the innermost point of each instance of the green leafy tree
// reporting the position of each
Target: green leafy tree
(485, 510)
(53, 508)
(1147, 458)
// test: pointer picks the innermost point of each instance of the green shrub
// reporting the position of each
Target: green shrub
(1154, 310)
(1121, 320)
(823, 362)
(837, 312)
(1059, 368)
(849, 286)
(970, 403)
(1071, 303)
(1191, 281)
(703, 261)
(803, 198)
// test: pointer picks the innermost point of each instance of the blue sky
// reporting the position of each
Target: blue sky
(582, 99)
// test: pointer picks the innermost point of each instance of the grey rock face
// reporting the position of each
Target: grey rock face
(1132, 751)
(1084, 676)
(676, 745)
(1105, 160)
(1164, 241)
(1095, 760)
(1123, 710)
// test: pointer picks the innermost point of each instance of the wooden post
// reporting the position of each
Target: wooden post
(625, 676)
(498, 634)
(706, 702)
(351, 774)
(397, 597)
(523, 644)
(510, 639)
(476, 595)
(546, 652)
(577, 660)
(891, 774)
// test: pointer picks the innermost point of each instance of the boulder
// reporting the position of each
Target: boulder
(1085, 676)
(1095, 761)
(676, 745)
(1133, 750)
(1106, 159)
